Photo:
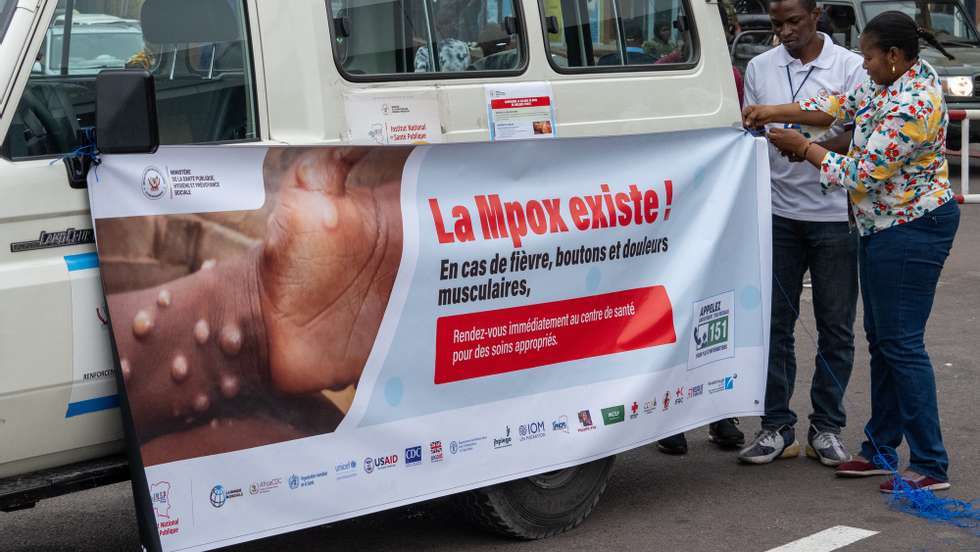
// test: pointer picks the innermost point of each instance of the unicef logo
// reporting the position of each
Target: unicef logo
(453, 447)
(154, 184)
(294, 482)
(368, 465)
(218, 497)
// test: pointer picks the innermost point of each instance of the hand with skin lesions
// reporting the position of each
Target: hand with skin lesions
(296, 314)
(328, 265)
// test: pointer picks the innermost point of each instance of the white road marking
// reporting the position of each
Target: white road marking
(827, 540)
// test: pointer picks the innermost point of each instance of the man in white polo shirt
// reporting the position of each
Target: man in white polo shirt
(810, 231)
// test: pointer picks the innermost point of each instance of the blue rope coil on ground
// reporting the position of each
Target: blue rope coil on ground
(917, 502)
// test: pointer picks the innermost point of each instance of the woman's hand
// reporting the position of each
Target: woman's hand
(755, 116)
(790, 142)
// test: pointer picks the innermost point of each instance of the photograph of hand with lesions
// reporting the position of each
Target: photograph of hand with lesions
(241, 329)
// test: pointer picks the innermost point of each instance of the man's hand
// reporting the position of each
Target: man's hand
(755, 116)
(328, 264)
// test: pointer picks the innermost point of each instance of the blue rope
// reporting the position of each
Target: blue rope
(904, 498)
(88, 149)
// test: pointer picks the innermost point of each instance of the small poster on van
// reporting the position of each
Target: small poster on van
(521, 111)
(402, 120)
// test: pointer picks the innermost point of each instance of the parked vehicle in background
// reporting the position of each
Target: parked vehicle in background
(947, 19)
(98, 41)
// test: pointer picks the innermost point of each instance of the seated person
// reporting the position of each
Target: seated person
(454, 54)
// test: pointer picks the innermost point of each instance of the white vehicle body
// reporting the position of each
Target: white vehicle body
(299, 98)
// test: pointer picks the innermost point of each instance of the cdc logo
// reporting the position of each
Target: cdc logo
(218, 496)
(413, 456)
(368, 465)
(294, 482)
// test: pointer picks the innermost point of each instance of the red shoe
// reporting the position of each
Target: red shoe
(924, 484)
(859, 468)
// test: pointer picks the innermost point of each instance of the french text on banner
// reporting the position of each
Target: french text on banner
(498, 341)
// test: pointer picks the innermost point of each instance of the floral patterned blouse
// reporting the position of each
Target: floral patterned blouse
(895, 170)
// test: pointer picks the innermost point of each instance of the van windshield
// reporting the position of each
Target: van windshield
(7, 8)
(946, 20)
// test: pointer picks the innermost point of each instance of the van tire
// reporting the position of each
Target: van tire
(540, 506)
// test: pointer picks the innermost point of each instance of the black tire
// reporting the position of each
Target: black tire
(540, 506)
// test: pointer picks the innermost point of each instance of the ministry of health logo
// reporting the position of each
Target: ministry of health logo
(154, 184)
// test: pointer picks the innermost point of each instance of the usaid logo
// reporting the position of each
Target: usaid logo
(154, 184)
(533, 430)
(561, 424)
(381, 462)
(413, 456)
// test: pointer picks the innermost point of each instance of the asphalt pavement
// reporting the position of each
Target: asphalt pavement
(703, 501)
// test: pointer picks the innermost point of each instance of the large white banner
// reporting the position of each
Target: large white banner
(308, 335)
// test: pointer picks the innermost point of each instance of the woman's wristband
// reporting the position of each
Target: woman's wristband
(806, 149)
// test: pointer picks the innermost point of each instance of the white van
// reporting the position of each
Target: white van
(282, 72)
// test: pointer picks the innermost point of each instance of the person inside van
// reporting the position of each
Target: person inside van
(662, 44)
(454, 54)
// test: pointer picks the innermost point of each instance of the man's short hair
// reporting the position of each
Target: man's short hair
(808, 5)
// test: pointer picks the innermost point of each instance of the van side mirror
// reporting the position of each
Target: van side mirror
(126, 112)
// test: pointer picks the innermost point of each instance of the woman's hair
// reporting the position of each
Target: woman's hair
(894, 29)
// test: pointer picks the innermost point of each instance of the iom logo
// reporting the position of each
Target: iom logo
(154, 184)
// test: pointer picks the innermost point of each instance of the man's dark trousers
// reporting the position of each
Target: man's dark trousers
(829, 251)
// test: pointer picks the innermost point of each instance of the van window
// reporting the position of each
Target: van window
(7, 8)
(196, 50)
(842, 23)
(426, 38)
(611, 34)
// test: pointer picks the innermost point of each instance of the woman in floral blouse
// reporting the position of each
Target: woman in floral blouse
(898, 181)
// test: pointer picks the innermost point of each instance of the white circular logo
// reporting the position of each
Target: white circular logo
(154, 184)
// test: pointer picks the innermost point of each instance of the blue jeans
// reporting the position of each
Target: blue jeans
(900, 268)
(829, 251)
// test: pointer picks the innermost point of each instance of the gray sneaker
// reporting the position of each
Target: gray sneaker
(770, 444)
(826, 447)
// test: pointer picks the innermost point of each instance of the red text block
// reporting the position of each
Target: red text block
(485, 343)
(510, 103)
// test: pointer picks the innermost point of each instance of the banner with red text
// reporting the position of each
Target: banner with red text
(305, 335)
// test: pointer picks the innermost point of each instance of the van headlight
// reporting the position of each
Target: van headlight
(958, 86)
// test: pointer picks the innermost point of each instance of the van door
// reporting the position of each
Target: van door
(56, 378)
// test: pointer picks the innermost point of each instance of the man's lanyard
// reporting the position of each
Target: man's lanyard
(790, 79)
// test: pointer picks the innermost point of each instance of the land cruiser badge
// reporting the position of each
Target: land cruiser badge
(48, 240)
